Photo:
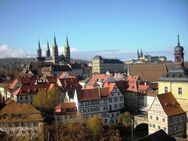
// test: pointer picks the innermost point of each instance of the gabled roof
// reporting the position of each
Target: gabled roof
(19, 112)
(132, 83)
(93, 94)
(119, 76)
(148, 72)
(169, 104)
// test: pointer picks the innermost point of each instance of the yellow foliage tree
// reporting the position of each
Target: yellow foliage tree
(94, 124)
(47, 100)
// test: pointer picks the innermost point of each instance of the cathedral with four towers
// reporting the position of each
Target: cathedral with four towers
(54, 58)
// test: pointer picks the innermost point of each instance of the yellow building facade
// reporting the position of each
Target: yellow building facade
(178, 89)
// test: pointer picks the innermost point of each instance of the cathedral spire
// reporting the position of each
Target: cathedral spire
(48, 50)
(67, 42)
(141, 54)
(138, 55)
(48, 47)
(39, 45)
(39, 51)
(67, 50)
(55, 43)
(178, 40)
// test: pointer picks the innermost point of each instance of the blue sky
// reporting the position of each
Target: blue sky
(111, 28)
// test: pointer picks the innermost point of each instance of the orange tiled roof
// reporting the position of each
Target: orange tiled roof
(30, 89)
(13, 84)
(170, 106)
(96, 77)
(110, 85)
(66, 108)
(132, 83)
(92, 94)
(67, 75)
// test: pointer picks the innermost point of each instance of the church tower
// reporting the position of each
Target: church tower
(138, 54)
(141, 54)
(39, 51)
(67, 50)
(179, 54)
(55, 52)
(48, 50)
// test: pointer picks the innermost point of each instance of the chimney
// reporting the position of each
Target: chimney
(99, 90)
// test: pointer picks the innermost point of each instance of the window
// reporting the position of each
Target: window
(121, 98)
(115, 106)
(163, 119)
(151, 117)
(20, 97)
(115, 99)
(110, 99)
(25, 97)
(180, 91)
(165, 89)
(153, 125)
(157, 118)
(159, 127)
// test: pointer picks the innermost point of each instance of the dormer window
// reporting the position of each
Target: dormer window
(180, 91)
(165, 89)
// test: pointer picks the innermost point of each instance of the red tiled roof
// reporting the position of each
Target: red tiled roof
(66, 108)
(67, 75)
(132, 83)
(13, 84)
(97, 77)
(143, 88)
(28, 89)
(170, 106)
(92, 94)
(110, 85)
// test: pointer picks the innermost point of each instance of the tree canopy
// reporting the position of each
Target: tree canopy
(47, 99)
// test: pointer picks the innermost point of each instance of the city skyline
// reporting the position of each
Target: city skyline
(107, 28)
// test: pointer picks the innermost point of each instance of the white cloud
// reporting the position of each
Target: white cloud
(73, 50)
(9, 52)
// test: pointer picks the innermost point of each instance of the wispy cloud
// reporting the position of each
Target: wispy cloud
(9, 52)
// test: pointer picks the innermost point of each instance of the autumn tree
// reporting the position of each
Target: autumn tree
(94, 124)
(125, 119)
(47, 99)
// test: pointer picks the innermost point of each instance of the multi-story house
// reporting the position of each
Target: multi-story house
(166, 114)
(21, 119)
(24, 90)
(136, 97)
(66, 112)
(105, 101)
(101, 65)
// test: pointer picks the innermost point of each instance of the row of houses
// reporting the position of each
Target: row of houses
(106, 95)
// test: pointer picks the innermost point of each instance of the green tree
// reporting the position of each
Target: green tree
(47, 99)
(125, 119)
